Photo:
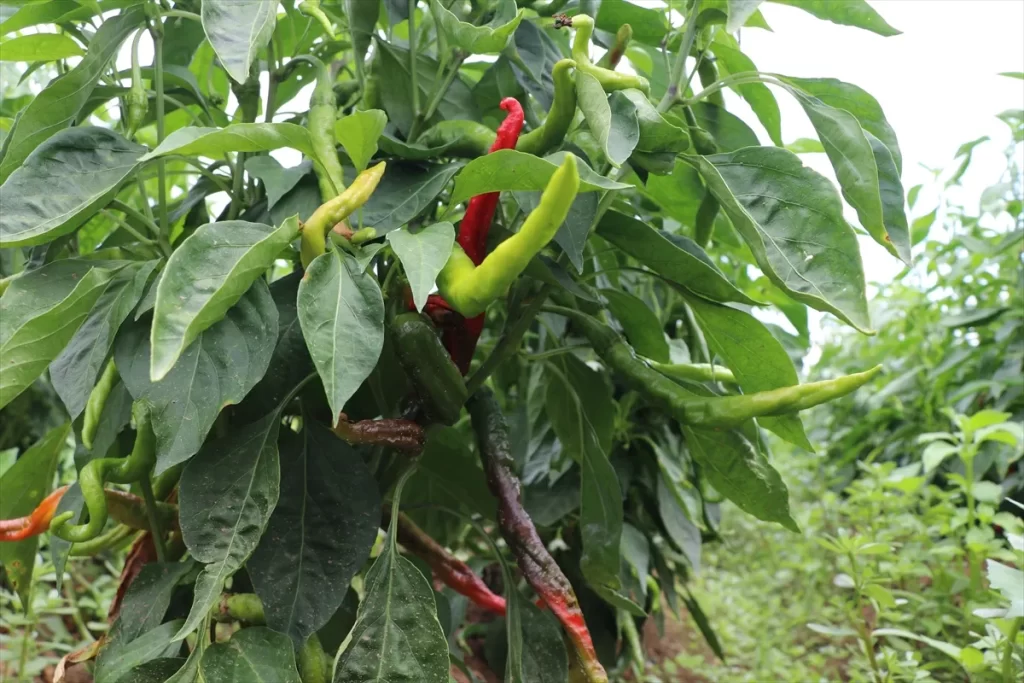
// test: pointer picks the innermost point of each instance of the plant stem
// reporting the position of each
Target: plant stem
(679, 68)
(158, 86)
(413, 75)
(437, 96)
(154, 522)
(867, 642)
(735, 79)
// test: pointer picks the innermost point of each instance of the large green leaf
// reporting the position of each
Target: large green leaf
(39, 47)
(478, 40)
(238, 137)
(756, 357)
(679, 260)
(254, 655)
(397, 637)
(641, 325)
(216, 370)
(119, 658)
(730, 59)
(741, 473)
(358, 134)
(856, 13)
(227, 493)
(341, 311)
(205, 277)
(657, 134)
(62, 184)
(51, 12)
(277, 180)
(648, 24)
(148, 597)
(544, 655)
(22, 487)
(729, 130)
(681, 529)
(423, 254)
(319, 535)
(74, 372)
(238, 30)
(617, 131)
(508, 169)
(404, 192)
(60, 101)
(39, 314)
(792, 220)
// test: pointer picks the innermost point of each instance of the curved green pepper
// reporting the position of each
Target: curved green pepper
(697, 372)
(469, 288)
(551, 133)
(704, 222)
(469, 139)
(320, 123)
(331, 212)
(609, 80)
(116, 470)
(708, 74)
(97, 399)
(437, 381)
(691, 409)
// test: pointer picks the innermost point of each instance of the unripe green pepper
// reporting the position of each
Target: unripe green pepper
(437, 381)
(314, 230)
(609, 80)
(708, 74)
(551, 133)
(97, 399)
(137, 101)
(320, 123)
(469, 139)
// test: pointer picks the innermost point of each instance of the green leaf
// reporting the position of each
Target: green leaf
(649, 25)
(277, 180)
(896, 235)
(147, 599)
(120, 657)
(205, 277)
(741, 473)
(856, 13)
(227, 493)
(33, 14)
(679, 260)
(794, 226)
(806, 146)
(60, 101)
(478, 40)
(755, 356)
(63, 183)
(544, 656)
(730, 59)
(216, 370)
(392, 146)
(397, 637)
(75, 371)
(423, 254)
(641, 325)
(341, 312)
(508, 169)
(39, 47)
(683, 532)
(358, 134)
(618, 135)
(657, 134)
(238, 137)
(319, 535)
(254, 655)
(729, 131)
(22, 488)
(238, 30)
(41, 311)
(405, 191)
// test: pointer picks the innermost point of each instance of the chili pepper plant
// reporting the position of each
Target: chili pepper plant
(409, 340)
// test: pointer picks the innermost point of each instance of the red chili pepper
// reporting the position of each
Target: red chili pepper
(34, 524)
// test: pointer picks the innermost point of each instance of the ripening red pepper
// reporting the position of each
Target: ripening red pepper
(34, 524)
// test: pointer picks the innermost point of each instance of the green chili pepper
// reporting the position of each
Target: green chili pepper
(691, 409)
(704, 221)
(320, 122)
(314, 231)
(117, 470)
(343, 92)
(313, 663)
(703, 142)
(311, 8)
(551, 133)
(371, 98)
(697, 372)
(708, 74)
(469, 139)
(609, 80)
(435, 378)
(97, 399)
(546, 8)
(614, 54)
(469, 288)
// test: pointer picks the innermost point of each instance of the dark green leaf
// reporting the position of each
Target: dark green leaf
(544, 655)
(856, 13)
(39, 47)
(792, 220)
(147, 599)
(319, 535)
(683, 532)
(58, 104)
(238, 30)
(701, 619)
(641, 325)
(405, 191)
(227, 493)
(120, 657)
(74, 372)
(216, 370)
(358, 133)
(478, 40)
(154, 671)
(41, 311)
(277, 180)
(341, 311)
(729, 131)
(423, 254)
(682, 262)
(657, 134)
(617, 134)
(62, 183)
(22, 487)
(392, 146)
(205, 277)
(253, 655)
(362, 19)
(730, 59)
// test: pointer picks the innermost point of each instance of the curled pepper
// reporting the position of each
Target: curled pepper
(538, 567)
(691, 409)
(117, 470)
(333, 211)
(455, 573)
(563, 108)
(469, 288)
(609, 79)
